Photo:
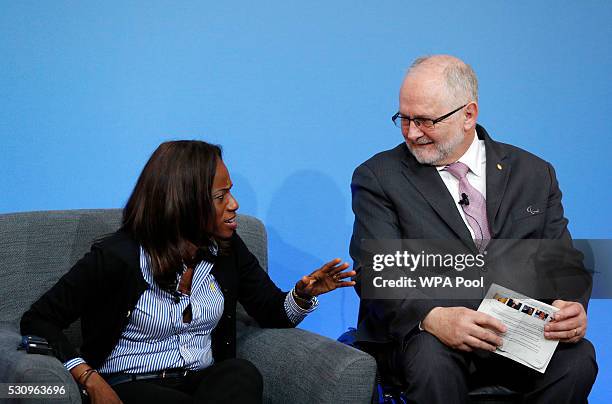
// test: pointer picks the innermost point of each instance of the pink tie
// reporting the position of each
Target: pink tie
(473, 204)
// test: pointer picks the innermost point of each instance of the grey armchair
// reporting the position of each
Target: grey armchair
(36, 248)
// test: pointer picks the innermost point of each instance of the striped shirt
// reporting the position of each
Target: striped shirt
(156, 337)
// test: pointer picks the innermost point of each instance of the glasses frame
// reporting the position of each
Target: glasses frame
(419, 121)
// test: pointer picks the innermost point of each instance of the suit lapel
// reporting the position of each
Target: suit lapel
(428, 182)
(498, 173)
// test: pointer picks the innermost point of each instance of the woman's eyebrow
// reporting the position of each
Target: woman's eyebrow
(226, 188)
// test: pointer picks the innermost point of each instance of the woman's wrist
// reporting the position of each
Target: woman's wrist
(303, 302)
(297, 294)
(86, 376)
(93, 382)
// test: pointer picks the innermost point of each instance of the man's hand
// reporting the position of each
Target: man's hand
(569, 324)
(464, 329)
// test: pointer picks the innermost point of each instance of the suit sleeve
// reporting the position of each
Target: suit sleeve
(556, 223)
(261, 298)
(376, 218)
(63, 304)
(561, 260)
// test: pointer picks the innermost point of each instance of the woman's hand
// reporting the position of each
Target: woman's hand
(325, 279)
(98, 390)
(101, 392)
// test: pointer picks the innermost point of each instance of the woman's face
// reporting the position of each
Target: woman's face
(225, 204)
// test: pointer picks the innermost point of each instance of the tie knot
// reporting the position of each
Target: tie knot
(458, 169)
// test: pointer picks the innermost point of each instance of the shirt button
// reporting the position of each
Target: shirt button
(227, 342)
(229, 316)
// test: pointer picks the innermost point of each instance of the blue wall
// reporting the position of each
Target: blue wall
(298, 93)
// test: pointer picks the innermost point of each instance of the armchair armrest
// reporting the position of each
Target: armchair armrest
(302, 367)
(21, 367)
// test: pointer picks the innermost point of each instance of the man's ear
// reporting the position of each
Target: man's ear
(471, 115)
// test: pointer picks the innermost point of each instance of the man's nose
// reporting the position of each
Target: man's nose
(412, 132)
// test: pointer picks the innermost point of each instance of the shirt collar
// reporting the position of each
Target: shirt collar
(147, 273)
(474, 157)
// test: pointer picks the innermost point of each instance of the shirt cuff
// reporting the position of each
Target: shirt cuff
(294, 312)
(72, 363)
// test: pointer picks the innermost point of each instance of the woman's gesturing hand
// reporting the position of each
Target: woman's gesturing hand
(325, 279)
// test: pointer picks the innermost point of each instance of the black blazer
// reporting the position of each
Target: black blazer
(396, 197)
(103, 288)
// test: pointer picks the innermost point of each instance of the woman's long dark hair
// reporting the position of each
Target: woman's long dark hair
(172, 204)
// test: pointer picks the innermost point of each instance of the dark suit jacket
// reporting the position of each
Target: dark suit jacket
(103, 288)
(396, 197)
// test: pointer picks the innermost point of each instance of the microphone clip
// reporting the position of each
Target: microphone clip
(464, 199)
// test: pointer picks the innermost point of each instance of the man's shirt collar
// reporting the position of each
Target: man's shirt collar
(474, 157)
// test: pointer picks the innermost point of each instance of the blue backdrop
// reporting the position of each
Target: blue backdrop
(298, 93)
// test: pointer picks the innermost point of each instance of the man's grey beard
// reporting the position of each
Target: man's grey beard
(442, 150)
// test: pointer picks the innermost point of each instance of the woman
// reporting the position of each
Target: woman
(157, 299)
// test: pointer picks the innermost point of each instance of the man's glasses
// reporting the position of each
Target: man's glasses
(403, 122)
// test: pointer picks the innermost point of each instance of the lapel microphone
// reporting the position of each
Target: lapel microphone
(464, 199)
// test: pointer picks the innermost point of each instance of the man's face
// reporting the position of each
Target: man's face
(423, 94)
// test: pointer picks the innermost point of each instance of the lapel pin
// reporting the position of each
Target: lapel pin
(499, 166)
(533, 210)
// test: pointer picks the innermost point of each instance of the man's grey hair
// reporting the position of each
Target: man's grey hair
(461, 80)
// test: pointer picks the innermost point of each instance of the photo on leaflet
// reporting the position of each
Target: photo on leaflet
(515, 304)
(527, 310)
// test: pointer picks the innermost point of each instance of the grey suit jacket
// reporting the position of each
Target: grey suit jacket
(396, 197)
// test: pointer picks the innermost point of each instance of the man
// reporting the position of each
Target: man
(419, 190)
